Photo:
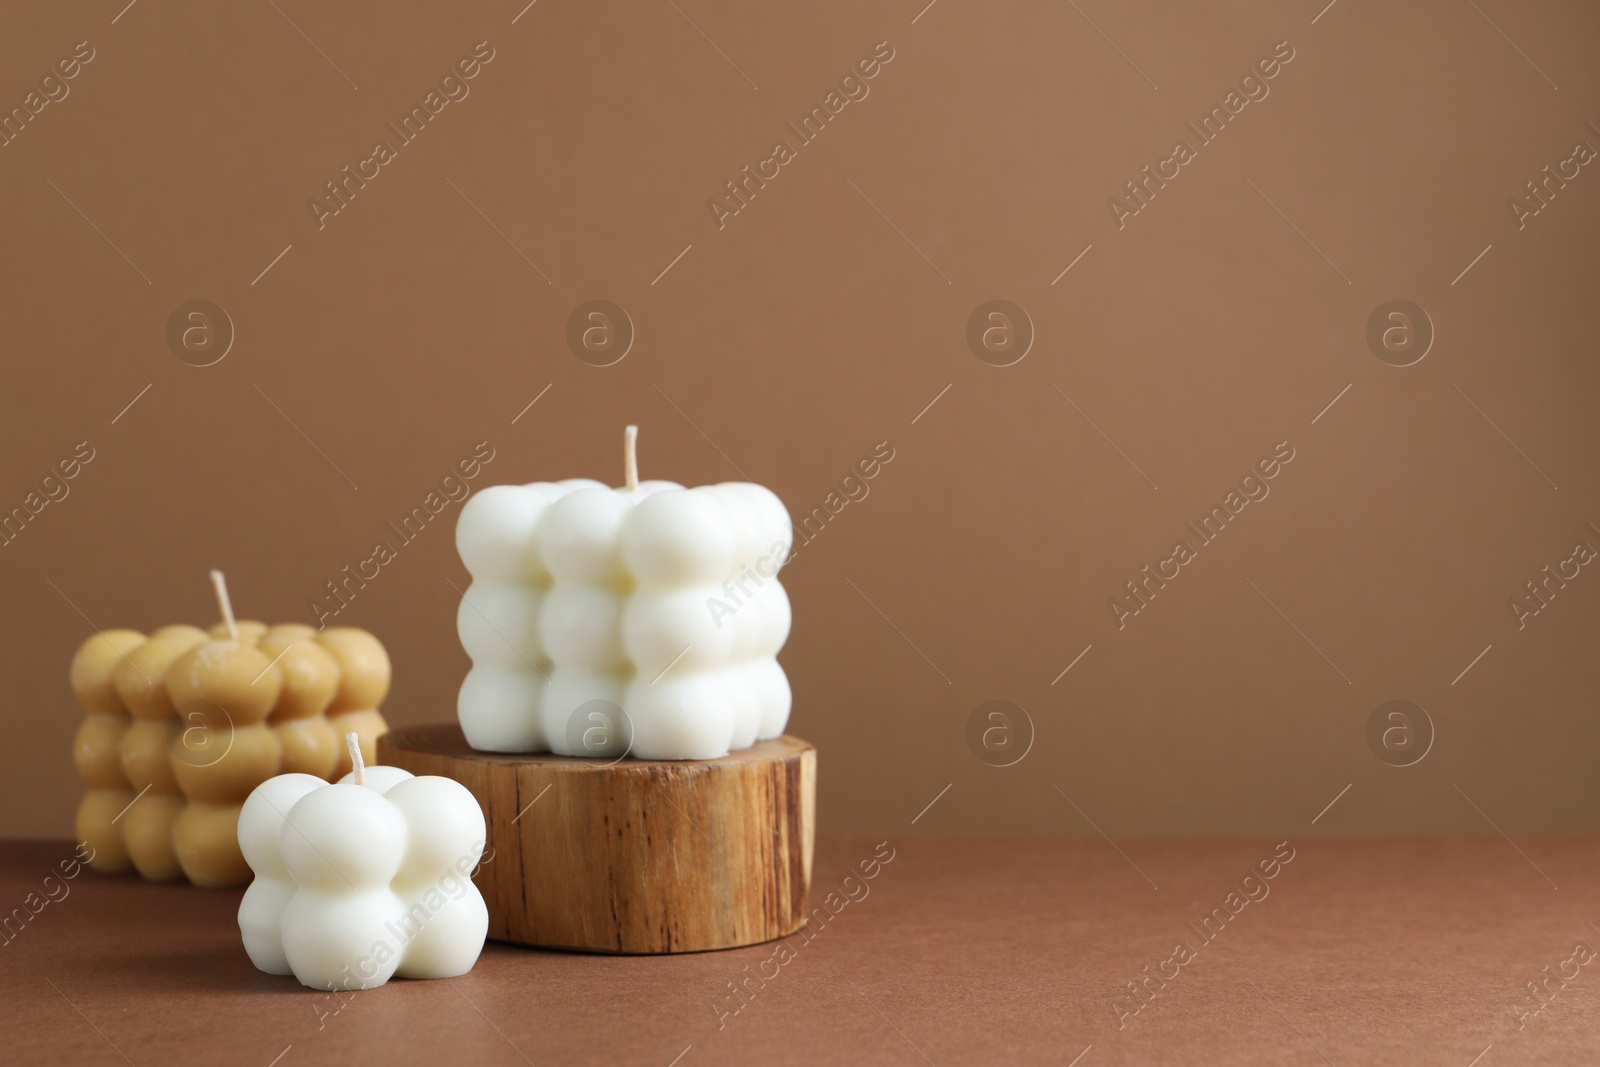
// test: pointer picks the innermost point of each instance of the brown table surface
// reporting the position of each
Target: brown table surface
(962, 951)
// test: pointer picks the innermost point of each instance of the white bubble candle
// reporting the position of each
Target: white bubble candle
(652, 598)
(363, 880)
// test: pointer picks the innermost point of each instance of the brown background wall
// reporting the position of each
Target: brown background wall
(1220, 321)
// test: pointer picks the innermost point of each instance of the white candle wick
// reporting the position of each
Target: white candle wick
(353, 743)
(220, 584)
(630, 456)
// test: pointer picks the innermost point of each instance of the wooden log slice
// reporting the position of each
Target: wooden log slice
(637, 856)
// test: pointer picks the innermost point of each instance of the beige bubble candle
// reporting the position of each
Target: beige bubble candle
(182, 726)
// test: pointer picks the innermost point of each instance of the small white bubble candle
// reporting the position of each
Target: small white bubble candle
(363, 880)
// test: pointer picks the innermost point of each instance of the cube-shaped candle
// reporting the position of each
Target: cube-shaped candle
(661, 601)
(182, 725)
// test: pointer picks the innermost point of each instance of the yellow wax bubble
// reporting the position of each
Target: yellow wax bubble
(92, 667)
(230, 675)
(140, 676)
(95, 827)
(223, 765)
(310, 746)
(206, 838)
(363, 666)
(147, 829)
(145, 757)
(97, 751)
(310, 678)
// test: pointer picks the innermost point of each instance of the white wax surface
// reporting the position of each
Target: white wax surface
(662, 600)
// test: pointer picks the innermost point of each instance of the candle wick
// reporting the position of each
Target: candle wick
(630, 456)
(353, 743)
(220, 584)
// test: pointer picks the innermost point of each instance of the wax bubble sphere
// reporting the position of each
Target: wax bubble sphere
(662, 600)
